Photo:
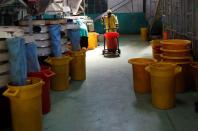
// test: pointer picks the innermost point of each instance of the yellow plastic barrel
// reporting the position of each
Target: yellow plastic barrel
(194, 69)
(78, 65)
(141, 78)
(26, 105)
(92, 40)
(163, 84)
(144, 34)
(60, 65)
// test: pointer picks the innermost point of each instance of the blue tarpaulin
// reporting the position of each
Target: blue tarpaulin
(55, 35)
(74, 36)
(32, 58)
(18, 61)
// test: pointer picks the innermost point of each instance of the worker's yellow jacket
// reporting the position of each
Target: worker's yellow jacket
(110, 23)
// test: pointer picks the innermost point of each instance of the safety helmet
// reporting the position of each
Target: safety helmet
(109, 11)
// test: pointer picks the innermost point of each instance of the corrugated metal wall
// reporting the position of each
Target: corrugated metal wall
(131, 6)
(181, 18)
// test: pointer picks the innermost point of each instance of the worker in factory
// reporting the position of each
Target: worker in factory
(83, 33)
(110, 22)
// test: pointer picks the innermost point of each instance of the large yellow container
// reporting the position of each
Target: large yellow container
(163, 84)
(144, 34)
(26, 105)
(78, 66)
(60, 65)
(92, 40)
(141, 78)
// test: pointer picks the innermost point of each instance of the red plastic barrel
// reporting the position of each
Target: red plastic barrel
(45, 74)
(111, 40)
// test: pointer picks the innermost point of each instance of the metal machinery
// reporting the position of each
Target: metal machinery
(180, 18)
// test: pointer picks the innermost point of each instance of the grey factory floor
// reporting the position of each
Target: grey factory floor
(107, 102)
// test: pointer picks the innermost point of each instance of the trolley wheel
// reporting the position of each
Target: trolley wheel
(103, 52)
(119, 51)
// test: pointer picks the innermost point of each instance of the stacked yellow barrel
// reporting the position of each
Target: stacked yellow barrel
(178, 52)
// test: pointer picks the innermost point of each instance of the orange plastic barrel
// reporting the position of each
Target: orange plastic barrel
(141, 78)
(176, 44)
(26, 107)
(163, 84)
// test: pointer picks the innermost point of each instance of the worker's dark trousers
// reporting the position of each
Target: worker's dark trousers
(84, 41)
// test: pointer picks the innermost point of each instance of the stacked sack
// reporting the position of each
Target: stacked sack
(41, 36)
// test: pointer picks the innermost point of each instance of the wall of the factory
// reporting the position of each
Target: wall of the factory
(130, 6)
(130, 16)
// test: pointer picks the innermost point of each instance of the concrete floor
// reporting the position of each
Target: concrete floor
(106, 101)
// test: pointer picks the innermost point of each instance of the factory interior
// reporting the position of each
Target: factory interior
(98, 65)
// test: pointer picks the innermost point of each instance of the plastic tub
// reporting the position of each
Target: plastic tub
(45, 74)
(111, 39)
(163, 84)
(141, 78)
(176, 53)
(78, 65)
(176, 44)
(92, 40)
(25, 104)
(60, 66)
(144, 34)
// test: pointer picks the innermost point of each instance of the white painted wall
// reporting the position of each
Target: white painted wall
(131, 6)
